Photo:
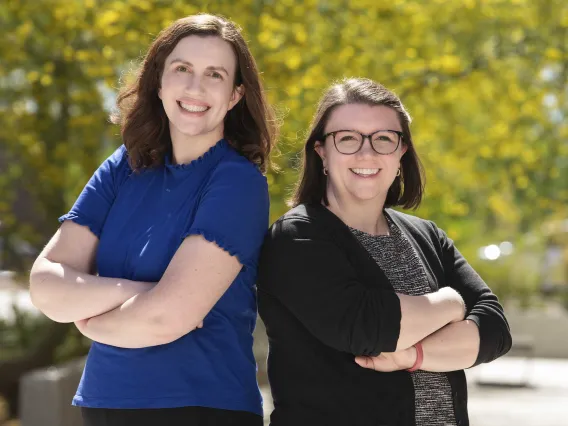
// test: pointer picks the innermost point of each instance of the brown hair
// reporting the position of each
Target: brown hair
(250, 126)
(406, 190)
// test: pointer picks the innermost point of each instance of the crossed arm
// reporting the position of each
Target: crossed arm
(375, 324)
(124, 313)
(482, 336)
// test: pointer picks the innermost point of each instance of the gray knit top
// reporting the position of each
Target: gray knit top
(402, 266)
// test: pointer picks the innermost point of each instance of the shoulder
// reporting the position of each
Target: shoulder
(118, 159)
(409, 220)
(115, 168)
(117, 162)
(421, 229)
(302, 222)
(236, 170)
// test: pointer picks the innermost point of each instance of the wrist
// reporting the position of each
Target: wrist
(419, 358)
(411, 356)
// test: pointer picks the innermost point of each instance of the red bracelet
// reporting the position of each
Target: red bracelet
(419, 358)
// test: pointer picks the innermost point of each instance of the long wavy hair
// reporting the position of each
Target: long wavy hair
(250, 126)
(406, 190)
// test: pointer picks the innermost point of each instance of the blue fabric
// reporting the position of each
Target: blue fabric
(141, 219)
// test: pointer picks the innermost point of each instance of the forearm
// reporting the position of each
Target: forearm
(423, 315)
(454, 347)
(137, 323)
(67, 295)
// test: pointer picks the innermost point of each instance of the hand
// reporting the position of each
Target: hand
(389, 361)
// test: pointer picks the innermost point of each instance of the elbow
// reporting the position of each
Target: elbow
(494, 342)
(43, 298)
(37, 277)
(376, 327)
(39, 291)
(506, 342)
(503, 340)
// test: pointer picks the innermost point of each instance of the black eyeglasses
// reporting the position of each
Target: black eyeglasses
(349, 142)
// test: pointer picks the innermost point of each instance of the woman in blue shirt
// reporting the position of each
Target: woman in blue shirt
(156, 261)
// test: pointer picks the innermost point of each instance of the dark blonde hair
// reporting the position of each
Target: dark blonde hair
(250, 126)
(406, 190)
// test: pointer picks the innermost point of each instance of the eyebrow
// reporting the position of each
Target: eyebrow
(210, 67)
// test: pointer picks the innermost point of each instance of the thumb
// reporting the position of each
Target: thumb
(364, 361)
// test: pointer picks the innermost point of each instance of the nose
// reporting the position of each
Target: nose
(193, 84)
(367, 149)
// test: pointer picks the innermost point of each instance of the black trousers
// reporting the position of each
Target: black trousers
(183, 416)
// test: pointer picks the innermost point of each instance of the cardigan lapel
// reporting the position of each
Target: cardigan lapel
(364, 264)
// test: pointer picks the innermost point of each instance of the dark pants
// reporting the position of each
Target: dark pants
(184, 416)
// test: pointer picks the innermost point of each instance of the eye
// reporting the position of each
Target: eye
(182, 68)
(385, 137)
(216, 75)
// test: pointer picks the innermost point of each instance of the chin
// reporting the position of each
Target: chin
(192, 131)
(364, 197)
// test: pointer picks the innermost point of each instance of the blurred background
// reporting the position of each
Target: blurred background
(484, 80)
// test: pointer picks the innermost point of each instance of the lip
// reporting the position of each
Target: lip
(366, 176)
(193, 103)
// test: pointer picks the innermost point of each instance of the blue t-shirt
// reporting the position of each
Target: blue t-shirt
(141, 219)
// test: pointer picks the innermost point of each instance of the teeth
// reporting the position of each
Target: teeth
(193, 108)
(365, 172)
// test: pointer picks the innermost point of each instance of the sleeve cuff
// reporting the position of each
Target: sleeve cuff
(219, 240)
(83, 221)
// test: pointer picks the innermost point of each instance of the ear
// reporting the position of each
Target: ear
(238, 93)
(403, 149)
(320, 149)
(160, 93)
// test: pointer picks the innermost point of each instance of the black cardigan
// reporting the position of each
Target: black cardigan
(324, 300)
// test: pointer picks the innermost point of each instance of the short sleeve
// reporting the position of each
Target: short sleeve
(233, 211)
(94, 202)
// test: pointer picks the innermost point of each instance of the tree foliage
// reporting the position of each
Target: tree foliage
(485, 82)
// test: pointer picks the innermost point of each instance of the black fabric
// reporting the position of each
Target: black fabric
(323, 300)
(183, 416)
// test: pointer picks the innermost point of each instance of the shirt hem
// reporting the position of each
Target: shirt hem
(167, 402)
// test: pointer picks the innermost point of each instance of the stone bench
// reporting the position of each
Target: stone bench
(46, 394)
(522, 352)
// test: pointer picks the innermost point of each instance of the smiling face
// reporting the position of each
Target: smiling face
(197, 87)
(365, 175)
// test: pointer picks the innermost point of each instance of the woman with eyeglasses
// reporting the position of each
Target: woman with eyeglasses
(372, 314)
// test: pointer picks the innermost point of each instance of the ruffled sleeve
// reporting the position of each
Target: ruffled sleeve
(93, 204)
(233, 211)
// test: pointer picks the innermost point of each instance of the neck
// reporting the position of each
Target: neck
(186, 148)
(366, 216)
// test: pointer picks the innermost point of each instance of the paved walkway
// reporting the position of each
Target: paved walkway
(496, 397)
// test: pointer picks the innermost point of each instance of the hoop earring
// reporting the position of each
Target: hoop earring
(325, 171)
(398, 172)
